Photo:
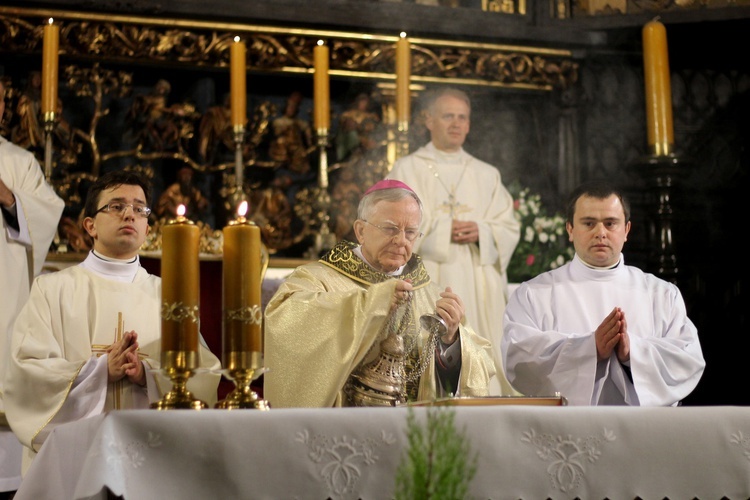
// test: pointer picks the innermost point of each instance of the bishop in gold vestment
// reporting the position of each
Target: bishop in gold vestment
(328, 318)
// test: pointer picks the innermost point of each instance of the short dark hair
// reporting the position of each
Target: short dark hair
(113, 179)
(598, 189)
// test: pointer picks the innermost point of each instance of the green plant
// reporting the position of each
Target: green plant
(543, 244)
(437, 465)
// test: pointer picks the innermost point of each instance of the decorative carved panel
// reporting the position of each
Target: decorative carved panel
(354, 55)
(103, 62)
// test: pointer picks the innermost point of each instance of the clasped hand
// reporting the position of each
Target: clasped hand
(612, 335)
(123, 361)
(464, 231)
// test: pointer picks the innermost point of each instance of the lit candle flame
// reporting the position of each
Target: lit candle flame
(242, 209)
(181, 210)
(237, 38)
(402, 34)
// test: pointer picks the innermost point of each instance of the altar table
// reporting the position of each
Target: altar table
(524, 452)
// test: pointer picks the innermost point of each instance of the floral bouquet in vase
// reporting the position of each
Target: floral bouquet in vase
(544, 241)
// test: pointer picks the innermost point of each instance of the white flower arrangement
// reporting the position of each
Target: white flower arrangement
(543, 244)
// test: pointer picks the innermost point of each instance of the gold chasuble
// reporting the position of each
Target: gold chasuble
(329, 317)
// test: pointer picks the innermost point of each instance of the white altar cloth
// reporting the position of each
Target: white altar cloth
(525, 452)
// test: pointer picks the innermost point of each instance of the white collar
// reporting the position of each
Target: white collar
(114, 269)
(619, 261)
(445, 156)
(358, 252)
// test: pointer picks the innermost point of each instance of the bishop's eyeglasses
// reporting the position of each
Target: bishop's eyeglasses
(118, 208)
(392, 231)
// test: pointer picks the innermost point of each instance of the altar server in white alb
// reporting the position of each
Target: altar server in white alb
(29, 213)
(470, 230)
(88, 337)
(596, 330)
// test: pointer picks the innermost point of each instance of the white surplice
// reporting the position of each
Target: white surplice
(459, 186)
(23, 250)
(549, 343)
(57, 371)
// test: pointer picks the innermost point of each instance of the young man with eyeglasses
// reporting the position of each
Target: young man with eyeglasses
(327, 319)
(89, 337)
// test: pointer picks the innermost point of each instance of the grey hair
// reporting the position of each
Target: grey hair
(367, 203)
(432, 96)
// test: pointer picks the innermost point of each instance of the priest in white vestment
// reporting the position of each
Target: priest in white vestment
(88, 338)
(595, 330)
(29, 213)
(470, 230)
(328, 318)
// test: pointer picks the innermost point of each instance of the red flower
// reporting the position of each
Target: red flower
(516, 204)
(530, 260)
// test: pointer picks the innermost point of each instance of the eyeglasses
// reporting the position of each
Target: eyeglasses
(119, 208)
(393, 231)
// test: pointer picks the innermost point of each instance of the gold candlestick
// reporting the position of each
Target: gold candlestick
(322, 121)
(50, 63)
(324, 239)
(49, 127)
(180, 313)
(239, 167)
(322, 135)
(242, 321)
(402, 139)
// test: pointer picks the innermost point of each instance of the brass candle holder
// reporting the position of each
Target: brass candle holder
(49, 127)
(239, 135)
(236, 193)
(402, 138)
(243, 369)
(324, 239)
(178, 366)
(239, 167)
